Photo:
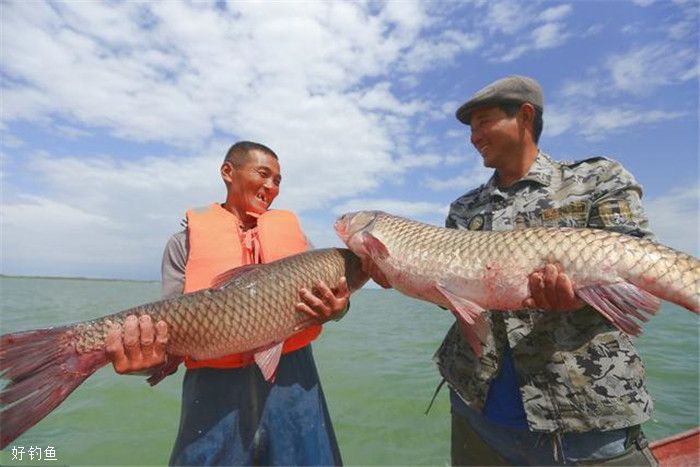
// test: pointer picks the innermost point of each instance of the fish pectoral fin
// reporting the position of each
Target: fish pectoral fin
(223, 279)
(268, 358)
(475, 327)
(374, 246)
(467, 310)
(620, 302)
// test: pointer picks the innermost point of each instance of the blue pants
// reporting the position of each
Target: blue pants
(518, 446)
(235, 417)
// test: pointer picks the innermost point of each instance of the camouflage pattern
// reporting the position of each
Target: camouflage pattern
(576, 371)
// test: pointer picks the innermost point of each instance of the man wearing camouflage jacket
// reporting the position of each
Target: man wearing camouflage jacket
(557, 383)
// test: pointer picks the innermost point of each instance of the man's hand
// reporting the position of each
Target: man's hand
(371, 268)
(140, 347)
(322, 303)
(552, 290)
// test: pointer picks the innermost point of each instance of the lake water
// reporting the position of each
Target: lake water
(375, 367)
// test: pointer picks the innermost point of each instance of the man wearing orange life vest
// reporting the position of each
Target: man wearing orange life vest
(230, 414)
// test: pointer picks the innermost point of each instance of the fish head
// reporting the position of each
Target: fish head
(351, 226)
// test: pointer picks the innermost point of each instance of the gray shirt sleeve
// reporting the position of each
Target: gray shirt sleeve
(173, 265)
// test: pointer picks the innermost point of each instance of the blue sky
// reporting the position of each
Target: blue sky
(115, 116)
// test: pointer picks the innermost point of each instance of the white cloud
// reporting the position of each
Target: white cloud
(86, 77)
(179, 76)
(600, 122)
(643, 3)
(470, 178)
(555, 13)
(342, 91)
(70, 132)
(681, 29)
(105, 211)
(641, 71)
(592, 31)
(9, 140)
(393, 206)
(633, 28)
(457, 134)
(675, 219)
(441, 49)
(411, 161)
(181, 72)
(558, 120)
(687, 26)
(193, 75)
(380, 98)
(584, 88)
(603, 121)
(448, 109)
(549, 35)
(507, 17)
(692, 73)
(91, 244)
(455, 159)
(546, 29)
(511, 54)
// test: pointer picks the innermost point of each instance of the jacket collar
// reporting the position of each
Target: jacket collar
(540, 172)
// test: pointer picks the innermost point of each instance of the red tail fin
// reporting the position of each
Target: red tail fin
(43, 368)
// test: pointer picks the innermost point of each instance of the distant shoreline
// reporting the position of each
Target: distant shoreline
(76, 278)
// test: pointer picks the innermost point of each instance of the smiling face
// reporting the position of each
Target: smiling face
(253, 185)
(495, 135)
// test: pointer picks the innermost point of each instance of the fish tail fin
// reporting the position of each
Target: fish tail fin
(43, 368)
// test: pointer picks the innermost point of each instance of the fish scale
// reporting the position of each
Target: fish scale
(573, 248)
(471, 271)
(250, 313)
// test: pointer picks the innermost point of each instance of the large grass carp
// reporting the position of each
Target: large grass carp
(249, 309)
(621, 276)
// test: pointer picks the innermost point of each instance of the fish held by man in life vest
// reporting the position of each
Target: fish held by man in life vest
(621, 276)
(247, 310)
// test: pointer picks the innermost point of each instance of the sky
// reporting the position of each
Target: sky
(115, 116)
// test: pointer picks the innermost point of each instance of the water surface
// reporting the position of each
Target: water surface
(375, 367)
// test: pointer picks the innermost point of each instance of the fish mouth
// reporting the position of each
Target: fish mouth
(342, 227)
(349, 225)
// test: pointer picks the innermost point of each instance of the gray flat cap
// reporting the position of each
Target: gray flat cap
(509, 89)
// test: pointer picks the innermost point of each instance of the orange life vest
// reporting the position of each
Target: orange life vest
(217, 244)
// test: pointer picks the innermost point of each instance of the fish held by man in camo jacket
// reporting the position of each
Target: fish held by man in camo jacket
(621, 276)
(247, 310)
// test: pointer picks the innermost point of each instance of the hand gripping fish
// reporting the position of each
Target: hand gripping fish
(250, 309)
(468, 272)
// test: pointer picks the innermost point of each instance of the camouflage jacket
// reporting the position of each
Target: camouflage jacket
(575, 370)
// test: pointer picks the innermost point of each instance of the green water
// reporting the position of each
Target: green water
(375, 366)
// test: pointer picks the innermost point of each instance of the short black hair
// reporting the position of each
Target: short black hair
(510, 108)
(238, 154)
